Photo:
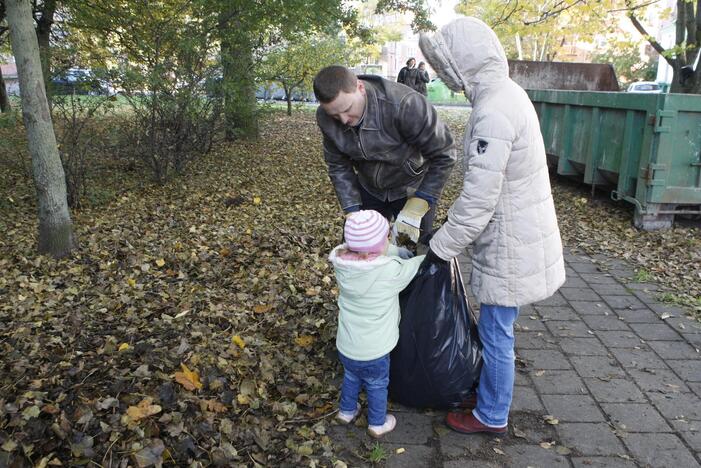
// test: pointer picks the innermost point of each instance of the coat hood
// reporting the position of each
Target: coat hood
(357, 276)
(466, 54)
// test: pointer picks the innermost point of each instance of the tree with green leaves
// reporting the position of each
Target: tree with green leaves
(293, 65)
(683, 55)
(511, 18)
(534, 29)
(246, 28)
(625, 57)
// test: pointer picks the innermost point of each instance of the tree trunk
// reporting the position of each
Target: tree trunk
(4, 98)
(43, 32)
(55, 227)
(288, 98)
(238, 82)
(519, 49)
(240, 111)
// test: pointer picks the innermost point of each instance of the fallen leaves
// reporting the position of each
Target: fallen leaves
(213, 406)
(188, 379)
(238, 341)
(550, 419)
(144, 409)
(176, 272)
(304, 341)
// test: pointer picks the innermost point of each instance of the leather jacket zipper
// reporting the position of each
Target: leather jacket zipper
(365, 156)
(360, 143)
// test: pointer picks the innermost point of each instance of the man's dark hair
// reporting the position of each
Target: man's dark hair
(332, 80)
(410, 60)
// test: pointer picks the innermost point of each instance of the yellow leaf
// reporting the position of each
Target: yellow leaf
(256, 200)
(123, 347)
(311, 292)
(304, 340)
(131, 282)
(188, 379)
(238, 341)
(262, 308)
(160, 262)
(400, 451)
(143, 410)
(243, 399)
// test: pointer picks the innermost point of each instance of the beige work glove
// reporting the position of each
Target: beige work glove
(409, 219)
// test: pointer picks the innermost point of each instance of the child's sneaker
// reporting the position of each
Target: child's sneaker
(347, 418)
(379, 431)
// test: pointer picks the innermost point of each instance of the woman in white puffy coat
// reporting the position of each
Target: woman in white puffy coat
(505, 210)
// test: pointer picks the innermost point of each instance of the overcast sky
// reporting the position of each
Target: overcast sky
(444, 11)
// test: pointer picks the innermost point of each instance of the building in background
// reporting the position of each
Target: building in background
(9, 75)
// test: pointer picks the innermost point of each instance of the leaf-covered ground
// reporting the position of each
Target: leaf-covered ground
(196, 322)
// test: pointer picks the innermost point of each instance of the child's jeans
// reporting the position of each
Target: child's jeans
(374, 376)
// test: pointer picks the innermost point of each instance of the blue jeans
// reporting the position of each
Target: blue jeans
(374, 376)
(496, 387)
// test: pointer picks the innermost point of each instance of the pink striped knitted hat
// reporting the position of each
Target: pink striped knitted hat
(366, 231)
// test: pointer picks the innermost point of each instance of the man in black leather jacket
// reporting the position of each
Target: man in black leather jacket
(385, 147)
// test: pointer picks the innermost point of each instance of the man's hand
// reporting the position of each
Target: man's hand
(409, 219)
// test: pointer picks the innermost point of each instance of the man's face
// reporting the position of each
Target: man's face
(347, 108)
(412, 63)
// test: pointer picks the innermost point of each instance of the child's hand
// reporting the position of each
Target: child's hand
(404, 253)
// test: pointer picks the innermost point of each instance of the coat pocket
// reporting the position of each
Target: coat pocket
(486, 245)
(413, 169)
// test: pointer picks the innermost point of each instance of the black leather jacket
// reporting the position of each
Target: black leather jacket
(401, 146)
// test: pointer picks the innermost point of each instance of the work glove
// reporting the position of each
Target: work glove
(409, 219)
(432, 259)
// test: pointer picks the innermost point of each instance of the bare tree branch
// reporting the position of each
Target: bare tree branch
(556, 10)
(634, 7)
(655, 45)
(504, 16)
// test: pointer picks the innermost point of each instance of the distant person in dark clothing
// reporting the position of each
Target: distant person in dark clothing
(422, 79)
(407, 75)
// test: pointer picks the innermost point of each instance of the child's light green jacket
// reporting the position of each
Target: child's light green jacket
(368, 302)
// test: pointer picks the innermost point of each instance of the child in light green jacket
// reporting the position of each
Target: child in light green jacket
(370, 273)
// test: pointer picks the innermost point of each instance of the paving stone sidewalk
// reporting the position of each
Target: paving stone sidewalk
(617, 369)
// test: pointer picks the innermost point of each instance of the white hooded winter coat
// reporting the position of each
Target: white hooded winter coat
(505, 209)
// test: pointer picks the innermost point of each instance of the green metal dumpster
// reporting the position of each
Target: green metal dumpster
(438, 93)
(646, 147)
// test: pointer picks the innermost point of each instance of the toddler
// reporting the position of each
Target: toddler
(370, 273)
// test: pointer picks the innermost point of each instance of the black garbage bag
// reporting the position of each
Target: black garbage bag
(438, 359)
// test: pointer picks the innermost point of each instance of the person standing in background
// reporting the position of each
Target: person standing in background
(422, 79)
(407, 75)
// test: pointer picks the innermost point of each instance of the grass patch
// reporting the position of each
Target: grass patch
(377, 453)
(642, 276)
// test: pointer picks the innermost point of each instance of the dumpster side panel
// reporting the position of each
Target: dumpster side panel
(647, 147)
(674, 176)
